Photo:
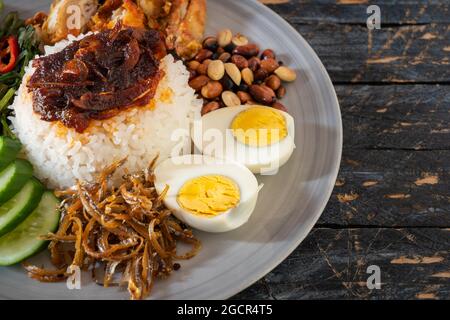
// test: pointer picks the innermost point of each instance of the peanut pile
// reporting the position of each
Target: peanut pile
(228, 71)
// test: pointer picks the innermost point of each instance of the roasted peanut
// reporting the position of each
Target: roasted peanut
(202, 69)
(212, 90)
(226, 82)
(224, 57)
(216, 70)
(193, 65)
(198, 82)
(229, 71)
(234, 73)
(262, 94)
(210, 43)
(261, 74)
(239, 61)
(247, 76)
(244, 97)
(249, 50)
(239, 40)
(254, 63)
(273, 82)
(224, 37)
(286, 74)
(192, 74)
(230, 99)
(281, 92)
(268, 54)
(203, 54)
(210, 106)
(279, 106)
(269, 64)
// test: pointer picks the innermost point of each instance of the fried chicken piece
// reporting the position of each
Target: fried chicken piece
(181, 21)
(113, 11)
(67, 17)
(186, 27)
(155, 11)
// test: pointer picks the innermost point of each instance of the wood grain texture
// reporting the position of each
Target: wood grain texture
(395, 168)
(413, 117)
(391, 203)
(391, 188)
(332, 264)
(399, 12)
(404, 54)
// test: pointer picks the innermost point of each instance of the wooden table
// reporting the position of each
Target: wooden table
(391, 203)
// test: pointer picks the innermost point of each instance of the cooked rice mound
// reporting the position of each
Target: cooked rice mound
(61, 156)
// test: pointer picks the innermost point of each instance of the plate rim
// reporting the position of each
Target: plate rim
(300, 234)
(334, 172)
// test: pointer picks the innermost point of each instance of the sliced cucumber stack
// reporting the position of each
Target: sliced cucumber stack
(24, 240)
(13, 212)
(9, 148)
(13, 178)
(26, 211)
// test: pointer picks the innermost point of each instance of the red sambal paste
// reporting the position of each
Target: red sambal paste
(97, 77)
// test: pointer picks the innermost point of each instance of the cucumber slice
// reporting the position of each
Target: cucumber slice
(13, 178)
(24, 241)
(9, 148)
(13, 212)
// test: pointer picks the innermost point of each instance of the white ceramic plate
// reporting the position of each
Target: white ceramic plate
(290, 202)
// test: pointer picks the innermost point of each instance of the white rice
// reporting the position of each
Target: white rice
(61, 156)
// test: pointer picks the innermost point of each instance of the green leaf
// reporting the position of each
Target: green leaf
(9, 78)
(29, 47)
(6, 129)
(5, 100)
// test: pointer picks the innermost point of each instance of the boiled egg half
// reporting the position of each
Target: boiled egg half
(206, 193)
(259, 137)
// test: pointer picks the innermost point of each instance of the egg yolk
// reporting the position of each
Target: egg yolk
(259, 126)
(209, 195)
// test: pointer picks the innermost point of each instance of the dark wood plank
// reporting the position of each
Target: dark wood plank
(395, 168)
(412, 117)
(354, 11)
(332, 264)
(391, 204)
(352, 53)
(391, 188)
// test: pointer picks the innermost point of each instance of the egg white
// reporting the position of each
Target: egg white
(176, 171)
(212, 136)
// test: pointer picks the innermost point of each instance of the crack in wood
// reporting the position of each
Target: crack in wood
(441, 274)
(417, 260)
(337, 274)
(428, 179)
